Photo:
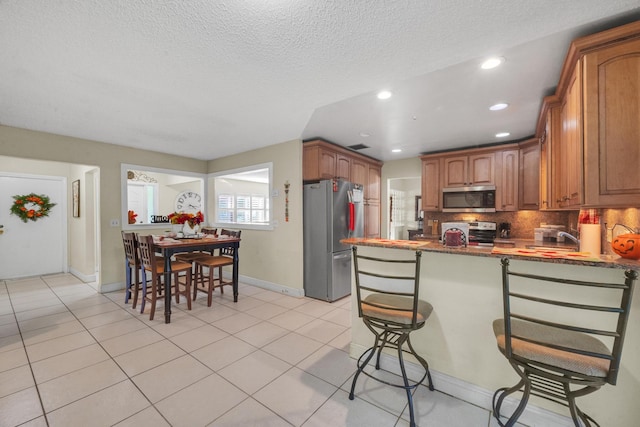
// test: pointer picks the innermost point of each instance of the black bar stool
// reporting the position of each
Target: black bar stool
(388, 303)
(553, 343)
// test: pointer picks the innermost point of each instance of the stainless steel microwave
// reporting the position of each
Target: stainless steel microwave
(477, 198)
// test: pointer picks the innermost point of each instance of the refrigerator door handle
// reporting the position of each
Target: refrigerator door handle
(342, 256)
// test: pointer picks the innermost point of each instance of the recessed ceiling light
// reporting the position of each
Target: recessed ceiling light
(499, 106)
(396, 150)
(492, 63)
(502, 134)
(385, 94)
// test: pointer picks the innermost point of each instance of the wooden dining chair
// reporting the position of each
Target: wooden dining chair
(206, 283)
(191, 256)
(154, 265)
(132, 267)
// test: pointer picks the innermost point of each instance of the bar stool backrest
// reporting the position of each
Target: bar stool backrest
(598, 311)
(391, 279)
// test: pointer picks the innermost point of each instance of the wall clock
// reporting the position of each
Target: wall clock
(188, 201)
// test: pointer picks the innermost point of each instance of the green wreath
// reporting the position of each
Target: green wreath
(31, 207)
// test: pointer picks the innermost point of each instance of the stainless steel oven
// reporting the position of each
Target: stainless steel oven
(479, 198)
(482, 233)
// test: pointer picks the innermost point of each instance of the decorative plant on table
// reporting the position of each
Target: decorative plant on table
(189, 219)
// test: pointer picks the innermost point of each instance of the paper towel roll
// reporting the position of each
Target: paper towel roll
(590, 238)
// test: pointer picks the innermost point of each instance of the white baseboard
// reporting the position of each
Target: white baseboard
(86, 278)
(532, 416)
(111, 287)
(285, 290)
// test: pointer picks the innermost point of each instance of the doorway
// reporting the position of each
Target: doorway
(63, 242)
(401, 205)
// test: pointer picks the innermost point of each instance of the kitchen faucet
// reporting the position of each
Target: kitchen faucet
(569, 236)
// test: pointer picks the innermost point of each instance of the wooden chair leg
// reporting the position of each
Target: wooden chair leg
(176, 287)
(210, 288)
(154, 297)
(195, 283)
(220, 280)
(187, 289)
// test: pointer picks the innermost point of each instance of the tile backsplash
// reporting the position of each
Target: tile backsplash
(523, 222)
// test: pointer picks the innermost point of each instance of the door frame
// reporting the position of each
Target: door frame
(63, 203)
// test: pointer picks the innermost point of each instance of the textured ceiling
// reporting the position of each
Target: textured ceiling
(209, 78)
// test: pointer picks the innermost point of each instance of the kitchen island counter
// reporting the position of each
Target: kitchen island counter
(465, 288)
(519, 250)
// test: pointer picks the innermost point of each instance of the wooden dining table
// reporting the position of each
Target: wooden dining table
(168, 247)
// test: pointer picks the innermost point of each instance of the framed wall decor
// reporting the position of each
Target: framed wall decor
(75, 188)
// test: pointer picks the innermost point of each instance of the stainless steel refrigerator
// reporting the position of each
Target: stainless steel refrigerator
(332, 211)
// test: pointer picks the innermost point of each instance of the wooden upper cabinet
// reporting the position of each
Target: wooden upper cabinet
(372, 220)
(343, 167)
(612, 126)
(323, 160)
(474, 169)
(318, 163)
(431, 188)
(549, 141)
(529, 175)
(456, 171)
(571, 142)
(507, 190)
(372, 189)
(358, 171)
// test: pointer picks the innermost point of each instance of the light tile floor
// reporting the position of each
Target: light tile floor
(72, 357)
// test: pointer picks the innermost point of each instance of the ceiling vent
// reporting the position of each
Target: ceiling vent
(357, 146)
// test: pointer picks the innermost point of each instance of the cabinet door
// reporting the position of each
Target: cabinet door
(548, 147)
(612, 126)
(431, 185)
(343, 167)
(327, 164)
(455, 171)
(371, 220)
(372, 189)
(358, 172)
(310, 163)
(481, 169)
(569, 172)
(529, 176)
(507, 190)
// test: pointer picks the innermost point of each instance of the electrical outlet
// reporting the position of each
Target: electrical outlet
(275, 193)
(115, 223)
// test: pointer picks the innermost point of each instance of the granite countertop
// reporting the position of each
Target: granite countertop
(517, 249)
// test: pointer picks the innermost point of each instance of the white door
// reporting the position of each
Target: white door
(36, 247)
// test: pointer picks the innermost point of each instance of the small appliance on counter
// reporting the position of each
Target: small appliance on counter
(548, 233)
(505, 230)
(455, 234)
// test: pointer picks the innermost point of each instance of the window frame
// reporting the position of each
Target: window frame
(270, 225)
